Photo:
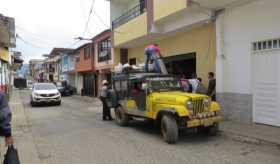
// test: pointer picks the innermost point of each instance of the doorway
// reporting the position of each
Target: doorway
(181, 64)
(89, 84)
(51, 78)
(266, 88)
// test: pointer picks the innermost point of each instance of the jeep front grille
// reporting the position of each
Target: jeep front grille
(198, 106)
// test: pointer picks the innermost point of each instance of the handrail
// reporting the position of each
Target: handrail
(130, 14)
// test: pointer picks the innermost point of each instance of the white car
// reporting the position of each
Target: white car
(45, 93)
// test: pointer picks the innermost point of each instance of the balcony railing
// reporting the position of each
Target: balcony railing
(130, 14)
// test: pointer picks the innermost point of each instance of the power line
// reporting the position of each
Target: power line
(35, 36)
(90, 12)
(103, 22)
(28, 43)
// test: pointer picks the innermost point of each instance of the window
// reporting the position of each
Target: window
(87, 52)
(104, 50)
(275, 42)
(266, 45)
(77, 59)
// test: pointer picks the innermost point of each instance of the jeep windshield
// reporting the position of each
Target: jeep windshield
(164, 84)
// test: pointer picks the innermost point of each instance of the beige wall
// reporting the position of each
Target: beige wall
(200, 40)
(164, 8)
(117, 55)
(131, 30)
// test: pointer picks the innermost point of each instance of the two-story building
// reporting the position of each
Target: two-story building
(7, 41)
(103, 59)
(248, 59)
(236, 39)
(36, 69)
(67, 65)
(52, 64)
(86, 78)
(184, 32)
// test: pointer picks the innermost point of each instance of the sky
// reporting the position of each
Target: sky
(45, 24)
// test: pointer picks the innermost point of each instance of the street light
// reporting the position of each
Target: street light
(82, 38)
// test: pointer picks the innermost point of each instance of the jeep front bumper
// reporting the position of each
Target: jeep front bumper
(204, 121)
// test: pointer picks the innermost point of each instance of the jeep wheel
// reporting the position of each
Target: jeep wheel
(212, 130)
(122, 118)
(169, 129)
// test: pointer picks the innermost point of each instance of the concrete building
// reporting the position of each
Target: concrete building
(86, 78)
(239, 40)
(67, 71)
(185, 34)
(103, 59)
(247, 63)
(51, 64)
(36, 68)
(7, 41)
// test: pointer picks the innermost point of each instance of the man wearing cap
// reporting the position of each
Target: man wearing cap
(103, 98)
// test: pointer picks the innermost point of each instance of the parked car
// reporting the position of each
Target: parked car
(45, 93)
(65, 89)
(162, 99)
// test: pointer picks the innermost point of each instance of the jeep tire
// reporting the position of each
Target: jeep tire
(169, 129)
(122, 118)
(212, 130)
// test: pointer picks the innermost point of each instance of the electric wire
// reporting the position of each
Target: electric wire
(88, 20)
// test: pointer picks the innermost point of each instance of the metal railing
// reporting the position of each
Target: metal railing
(130, 14)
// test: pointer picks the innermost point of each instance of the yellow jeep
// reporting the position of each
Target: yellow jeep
(161, 98)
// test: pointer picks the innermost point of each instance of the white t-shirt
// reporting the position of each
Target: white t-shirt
(194, 83)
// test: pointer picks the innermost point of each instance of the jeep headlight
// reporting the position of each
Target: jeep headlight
(206, 103)
(36, 95)
(189, 105)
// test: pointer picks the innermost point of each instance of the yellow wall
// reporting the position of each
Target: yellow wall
(133, 29)
(117, 55)
(196, 40)
(163, 8)
(4, 54)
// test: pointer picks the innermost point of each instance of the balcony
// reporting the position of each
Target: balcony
(131, 25)
(130, 14)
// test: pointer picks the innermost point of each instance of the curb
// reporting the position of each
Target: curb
(248, 139)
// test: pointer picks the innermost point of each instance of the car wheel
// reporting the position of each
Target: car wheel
(58, 103)
(122, 118)
(212, 130)
(32, 103)
(169, 129)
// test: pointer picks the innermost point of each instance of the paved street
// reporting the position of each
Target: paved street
(73, 133)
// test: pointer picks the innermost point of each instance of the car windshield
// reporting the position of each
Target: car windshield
(165, 83)
(44, 87)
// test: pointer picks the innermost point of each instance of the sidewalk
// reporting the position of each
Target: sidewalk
(22, 134)
(253, 132)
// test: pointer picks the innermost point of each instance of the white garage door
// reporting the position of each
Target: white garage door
(266, 88)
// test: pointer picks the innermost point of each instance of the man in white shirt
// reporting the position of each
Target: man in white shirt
(194, 83)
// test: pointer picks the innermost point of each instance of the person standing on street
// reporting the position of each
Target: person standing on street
(194, 82)
(5, 120)
(103, 98)
(212, 86)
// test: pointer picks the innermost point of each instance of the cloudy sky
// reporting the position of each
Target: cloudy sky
(44, 24)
